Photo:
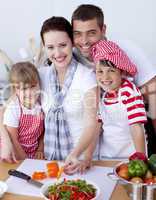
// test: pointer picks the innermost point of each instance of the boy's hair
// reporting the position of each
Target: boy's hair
(25, 73)
(107, 63)
(56, 24)
(87, 12)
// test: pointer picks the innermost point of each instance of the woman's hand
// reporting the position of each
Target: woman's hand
(72, 164)
(84, 165)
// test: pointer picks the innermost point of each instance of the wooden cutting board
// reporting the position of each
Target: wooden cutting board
(96, 174)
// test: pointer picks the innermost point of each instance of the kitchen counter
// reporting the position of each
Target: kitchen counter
(119, 192)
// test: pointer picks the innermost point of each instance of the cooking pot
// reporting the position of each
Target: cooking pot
(140, 191)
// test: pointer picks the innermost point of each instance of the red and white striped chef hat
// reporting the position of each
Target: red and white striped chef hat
(108, 50)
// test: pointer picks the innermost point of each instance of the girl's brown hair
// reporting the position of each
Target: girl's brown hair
(25, 73)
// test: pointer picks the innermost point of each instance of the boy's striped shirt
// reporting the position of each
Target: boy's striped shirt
(133, 100)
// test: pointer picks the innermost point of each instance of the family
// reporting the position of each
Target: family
(86, 105)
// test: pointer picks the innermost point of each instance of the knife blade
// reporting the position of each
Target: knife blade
(24, 176)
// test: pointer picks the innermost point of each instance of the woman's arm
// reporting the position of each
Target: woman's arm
(137, 131)
(90, 150)
(89, 131)
(88, 154)
(19, 152)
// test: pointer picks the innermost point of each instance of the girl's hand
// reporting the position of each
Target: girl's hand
(39, 155)
(8, 156)
(10, 159)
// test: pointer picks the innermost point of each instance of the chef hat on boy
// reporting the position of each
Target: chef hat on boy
(108, 50)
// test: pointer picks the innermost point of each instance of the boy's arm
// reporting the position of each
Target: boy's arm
(19, 152)
(137, 131)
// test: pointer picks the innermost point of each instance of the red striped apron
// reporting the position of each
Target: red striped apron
(30, 129)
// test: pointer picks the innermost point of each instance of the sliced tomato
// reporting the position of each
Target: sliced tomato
(39, 175)
(52, 169)
(53, 165)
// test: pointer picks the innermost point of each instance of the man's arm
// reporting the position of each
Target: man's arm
(149, 93)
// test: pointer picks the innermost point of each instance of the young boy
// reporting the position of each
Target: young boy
(121, 105)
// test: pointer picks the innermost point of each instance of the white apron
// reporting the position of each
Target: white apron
(116, 140)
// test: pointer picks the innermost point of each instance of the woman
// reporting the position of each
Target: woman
(69, 96)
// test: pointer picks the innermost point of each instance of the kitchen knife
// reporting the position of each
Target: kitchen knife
(24, 176)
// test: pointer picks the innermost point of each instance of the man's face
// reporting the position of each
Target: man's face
(86, 33)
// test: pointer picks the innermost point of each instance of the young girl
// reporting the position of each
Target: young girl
(23, 116)
(121, 105)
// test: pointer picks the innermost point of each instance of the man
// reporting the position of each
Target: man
(88, 28)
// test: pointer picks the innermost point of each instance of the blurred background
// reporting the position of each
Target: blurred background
(20, 20)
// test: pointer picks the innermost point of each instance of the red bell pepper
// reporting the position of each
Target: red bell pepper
(138, 156)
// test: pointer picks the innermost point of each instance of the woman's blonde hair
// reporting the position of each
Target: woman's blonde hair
(24, 73)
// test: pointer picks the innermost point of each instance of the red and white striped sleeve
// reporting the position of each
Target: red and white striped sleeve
(132, 98)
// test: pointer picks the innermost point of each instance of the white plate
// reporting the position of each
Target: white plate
(44, 189)
(3, 188)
